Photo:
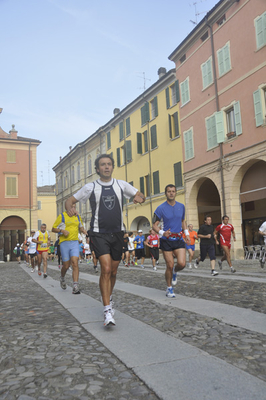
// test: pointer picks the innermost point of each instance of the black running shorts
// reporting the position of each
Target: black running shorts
(107, 243)
(171, 245)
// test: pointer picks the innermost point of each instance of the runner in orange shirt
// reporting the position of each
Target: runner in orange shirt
(191, 247)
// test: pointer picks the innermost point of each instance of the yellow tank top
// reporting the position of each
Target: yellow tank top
(44, 238)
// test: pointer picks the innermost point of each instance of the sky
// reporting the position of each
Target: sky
(67, 64)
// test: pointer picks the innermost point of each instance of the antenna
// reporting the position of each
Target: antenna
(196, 12)
(144, 81)
(42, 177)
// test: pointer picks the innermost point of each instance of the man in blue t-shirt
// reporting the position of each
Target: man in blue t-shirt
(170, 216)
(139, 251)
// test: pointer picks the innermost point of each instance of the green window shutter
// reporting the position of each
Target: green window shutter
(170, 125)
(156, 106)
(118, 157)
(148, 187)
(131, 198)
(209, 72)
(237, 113)
(128, 151)
(108, 139)
(226, 55)
(211, 132)
(139, 143)
(258, 108)
(178, 174)
(219, 122)
(141, 185)
(184, 92)
(167, 97)
(121, 131)
(204, 75)
(146, 148)
(153, 137)
(260, 26)
(156, 182)
(147, 112)
(142, 110)
(176, 124)
(188, 142)
(128, 126)
(220, 62)
(177, 93)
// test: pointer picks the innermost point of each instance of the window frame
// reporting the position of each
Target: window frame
(11, 177)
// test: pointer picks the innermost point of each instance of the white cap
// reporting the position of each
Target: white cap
(140, 231)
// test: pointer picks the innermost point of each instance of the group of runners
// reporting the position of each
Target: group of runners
(107, 240)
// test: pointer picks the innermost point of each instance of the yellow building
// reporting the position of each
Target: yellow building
(145, 141)
(47, 208)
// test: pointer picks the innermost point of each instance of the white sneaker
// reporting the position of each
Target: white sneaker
(154, 269)
(189, 266)
(170, 292)
(32, 270)
(108, 318)
(63, 282)
(214, 273)
(174, 279)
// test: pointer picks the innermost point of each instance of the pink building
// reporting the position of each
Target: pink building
(18, 194)
(221, 68)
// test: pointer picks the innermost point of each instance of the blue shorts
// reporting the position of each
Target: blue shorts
(69, 248)
(190, 246)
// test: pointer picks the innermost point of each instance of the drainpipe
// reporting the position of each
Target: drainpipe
(217, 109)
(125, 159)
(30, 183)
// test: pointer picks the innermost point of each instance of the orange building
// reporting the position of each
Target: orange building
(18, 194)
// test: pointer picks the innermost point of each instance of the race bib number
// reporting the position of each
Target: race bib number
(155, 242)
(44, 245)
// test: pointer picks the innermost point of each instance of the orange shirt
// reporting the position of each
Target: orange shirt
(192, 236)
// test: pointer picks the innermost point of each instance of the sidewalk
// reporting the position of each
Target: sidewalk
(54, 346)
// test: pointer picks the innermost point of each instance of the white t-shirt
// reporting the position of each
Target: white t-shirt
(32, 246)
(263, 230)
(130, 244)
(87, 248)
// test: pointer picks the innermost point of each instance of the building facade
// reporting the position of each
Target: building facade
(221, 68)
(18, 197)
(46, 200)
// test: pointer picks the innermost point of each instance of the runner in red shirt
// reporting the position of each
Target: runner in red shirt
(153, 242)
(226, 230)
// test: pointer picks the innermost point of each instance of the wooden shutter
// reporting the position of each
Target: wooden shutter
(141, 185)
(156, 182)
(258, 108)
(139, 143)
(170, 125)
(176, 124)
(128, 151)
(167, 96)
(146, 146)
(121, 131)
(118, 157)
(238, 123)
(177, 93)
(153, 137)
(155, 106)
(178, 174)
(128, 126)
(219, 122)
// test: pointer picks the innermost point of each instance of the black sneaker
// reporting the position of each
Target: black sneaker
(45, 275)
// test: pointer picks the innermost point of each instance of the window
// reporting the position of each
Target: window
(78, 171)
(145, 113)
(259, 99)
(66, 182)
(139, 142)
(127, 127)
(205, 36)
(173, 125)
(224, 61)
(89, 165)
(154, 108)
(178, 174)
(11, 186)
(260, 28)
(153, 137)
(124, 153)
(121, 131)
(39, 224)
(72, 175)
(221, 20)
(175, 96)
(145, 136)
(183, 58)
(108, 140)
(60, 186)
(39, 205)
(207, 76)
(144, 185)
(11, 156)
(222, 124)
(188, 144)
(156, 182)
(185, 97)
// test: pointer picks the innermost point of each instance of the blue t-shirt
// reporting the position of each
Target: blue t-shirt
(171, 217)
(141, 239)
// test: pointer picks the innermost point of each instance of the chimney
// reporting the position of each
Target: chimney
(161, 72)
(116, 111)
(13, 133)
(70, 148)
(60, 158)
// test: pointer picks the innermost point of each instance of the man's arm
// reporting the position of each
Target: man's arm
(69, 206)
(185, 230)
(157, 229)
